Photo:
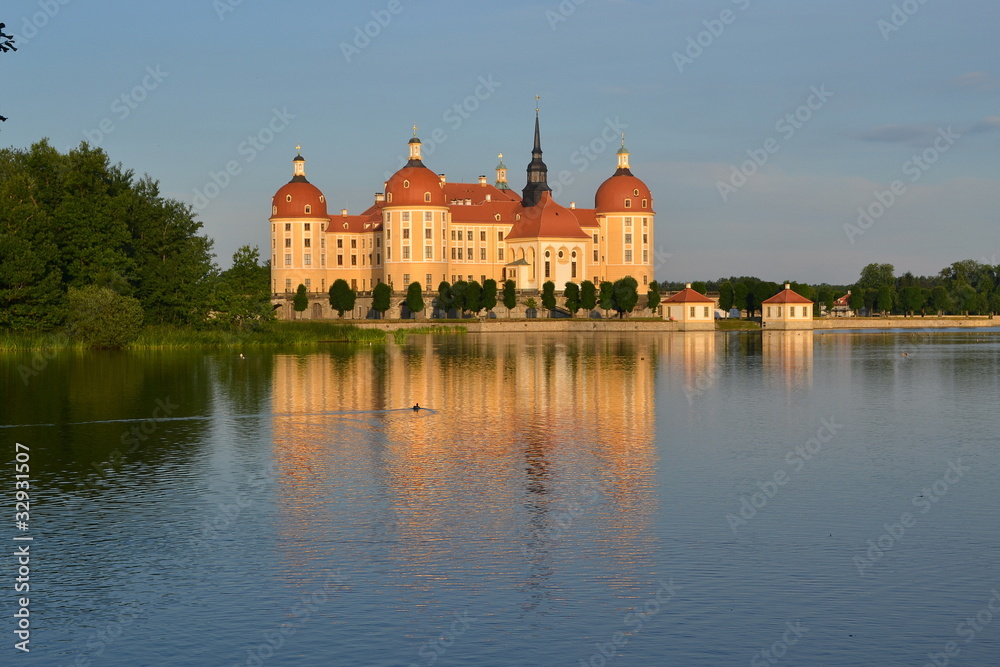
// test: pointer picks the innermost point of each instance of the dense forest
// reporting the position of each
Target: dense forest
(80, 236)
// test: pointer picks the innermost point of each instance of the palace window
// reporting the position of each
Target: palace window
(628, 222)
(547, 268)
(406, 233)
(288, 226)
(307, 225)
(308, 243)
(340, 260)
(628, 255)
(453, 252)
(309, 209)
(428, 252)
(470, 235)
(406, 216)
(288, 243)
(645, 238)
(428, 279)
(460, 253)
(427, 198)
(595, 238)
(406, 252)
(288, 260)
(428, 216)
(499, 234)
(482, 236)
(354, 243)
(645, 255)
(406, 279)
(628, 203)
(453, 235)
(288, 284)
(354, 260)
(500, 254)
(340, 243)
(628, 238)
(482, 254)
(307, 259)
(645, 203)
(427, 233)
(595, 255)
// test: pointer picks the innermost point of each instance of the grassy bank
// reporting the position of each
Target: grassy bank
(278, 334)
(399, 335)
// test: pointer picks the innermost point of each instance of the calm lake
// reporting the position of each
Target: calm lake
(619, 499)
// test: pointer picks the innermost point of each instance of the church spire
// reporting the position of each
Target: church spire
(537, 171)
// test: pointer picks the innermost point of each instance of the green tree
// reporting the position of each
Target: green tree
(571, 293)
(588, 296)
(940, 300)
(342, 297)
(856, 301)
(911, 299)
(653, 296)
(242, 293)
(531, 304)
(458, 295)
(301, 300)
(726, 296)
(103, 319)
(606, 299)
(625, 295)
(414, 298)
(874, 276)
(740, 294)
(509, 296)
(445, 298)
(885, 299)
(549, 296)
(474, 297)
(6, 44)
(700, 286)
(489, 298)
(381, 299)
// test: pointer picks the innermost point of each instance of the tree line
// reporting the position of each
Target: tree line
(469, 297)
(83, 238)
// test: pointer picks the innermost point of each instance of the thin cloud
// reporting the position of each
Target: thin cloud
(988, 124)
(898, 133)
(977, 81)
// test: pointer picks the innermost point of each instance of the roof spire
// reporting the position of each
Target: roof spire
(415, 143)
(537, 171)
(299, 167)
(501, 183)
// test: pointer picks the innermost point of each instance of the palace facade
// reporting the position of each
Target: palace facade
(421, 228)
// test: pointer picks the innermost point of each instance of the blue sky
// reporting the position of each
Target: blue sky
(700, 88)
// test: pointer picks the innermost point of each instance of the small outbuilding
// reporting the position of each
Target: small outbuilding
(693, 310)
(787, 310)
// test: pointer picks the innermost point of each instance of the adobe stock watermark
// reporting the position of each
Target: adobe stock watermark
(634, 621)
(703, 381)
(714, 28)
(248, 149)
(796, 460)
(363, 35)
(914, 168)
(660, 257)
(106, 637)
(589, 494)
(454, 117)
(588, 153)
(562, 12)
(123, 105)
(899, 17)
(967, 629)
(435, 648)
(779, 649)
(786, 126)
(31, 25)
(223, 7)
(928, 497)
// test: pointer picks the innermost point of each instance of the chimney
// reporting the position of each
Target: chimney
(688, 285)
(343, 212)
(787, 286)
(444, 179)
(572, 205)
(489, 198)
(468, 202)
(379, 197)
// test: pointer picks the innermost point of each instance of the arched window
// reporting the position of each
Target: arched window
(309, 209)
(406, 184)
(635, 192)
(322, 199)
(274, 210)
(628, 203)
(427, 197)
(388, 198)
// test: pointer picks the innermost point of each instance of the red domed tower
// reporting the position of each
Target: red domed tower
(624, 209)
(298, 223)
(415, 221)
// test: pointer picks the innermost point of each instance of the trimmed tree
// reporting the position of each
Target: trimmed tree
(509, 296)
(445, 298)
(856, 301)
(301, 300)
(740, 292)
(588, 296)
(531, 304)
(549, 296)
(606, 299)
(572, 295)
(726, 296)
(653, 296)
(626, 295)
(381, 299)
(415, 299)
(474, 297)
(342, 297)
(458, 297)
(489, 299)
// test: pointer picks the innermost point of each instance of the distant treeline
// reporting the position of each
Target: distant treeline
(966, 287)
(82, 238)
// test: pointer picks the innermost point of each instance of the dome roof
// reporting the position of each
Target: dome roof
(293, 198)
(410, 185)
(621, 188)
(546, 219)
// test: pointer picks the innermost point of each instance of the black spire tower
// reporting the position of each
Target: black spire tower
(538, 173)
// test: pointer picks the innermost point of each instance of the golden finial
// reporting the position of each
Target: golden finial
(500, 156)
(298, 148)
(414, 129)
(537, 97)
(623, 140)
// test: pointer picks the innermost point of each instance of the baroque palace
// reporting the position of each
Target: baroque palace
(423, 229)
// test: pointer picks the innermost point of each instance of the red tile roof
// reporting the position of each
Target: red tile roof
(688, 295)
(546, 219)
(787, 296)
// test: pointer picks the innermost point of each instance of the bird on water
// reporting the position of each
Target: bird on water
(416, 406)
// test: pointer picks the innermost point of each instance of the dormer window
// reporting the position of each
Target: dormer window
(388, 198)
(309, 209)
(288, 198)
(628, 203)
(497, 217)
(322, 199)
(406, 184)
(427, 197)
(645, 203)
(274, 210)
(635, 193)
